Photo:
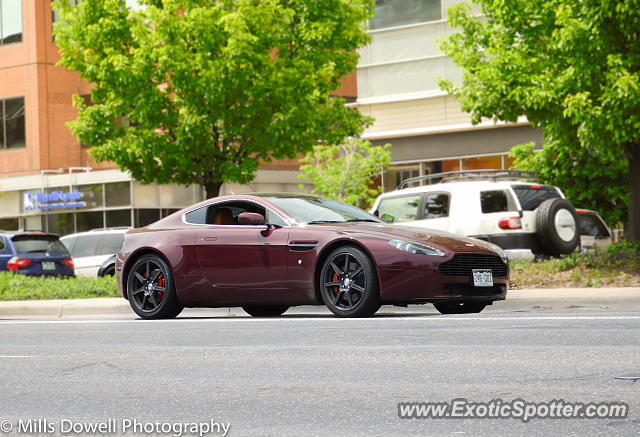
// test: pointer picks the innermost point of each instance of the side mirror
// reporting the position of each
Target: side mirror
(376, 213)
(250, 218)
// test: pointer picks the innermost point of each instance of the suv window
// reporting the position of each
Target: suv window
(400, 209)
(531, 196)
(38, 243)
(496, 201)
(85, 246)
(436, 205)
(109, 244)
(591, 225)
(3, 245)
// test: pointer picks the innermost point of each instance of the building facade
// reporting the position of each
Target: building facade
(47, 178)
(398, 85)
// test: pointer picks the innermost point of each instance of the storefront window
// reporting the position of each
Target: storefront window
(10, 21)
(392, 13)
(118, 194)
(85, 221)
(61, 224)
(118, 217)
(9, 224)
(144, 217)
(91, 195)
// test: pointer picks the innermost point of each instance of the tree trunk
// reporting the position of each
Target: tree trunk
(632, 233)
(212, 189)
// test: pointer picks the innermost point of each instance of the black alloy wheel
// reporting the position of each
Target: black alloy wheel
(265, 310)
(349, 283)
(151, 290)
(459, 307)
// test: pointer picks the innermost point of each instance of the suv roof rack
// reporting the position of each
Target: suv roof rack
(456, 176)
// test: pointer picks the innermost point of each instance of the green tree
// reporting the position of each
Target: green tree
(344, 172)
(200, 91)
(573, 68)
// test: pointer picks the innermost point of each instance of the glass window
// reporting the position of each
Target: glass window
(60, 224)
(590, 224)
(391, 13)
(91, 195)
(38, 243)
(531, 196)
(9, 224)
(109, 243)
(436, 205)
(399, 209)
(493, 201)
(10, 21)
(86, 245)
(118, 194)
(119, 217)
(3, 245)
(197, 217)
(12, 129)
(69, 242)
(85, 221)
(144, 217)
(310, 209)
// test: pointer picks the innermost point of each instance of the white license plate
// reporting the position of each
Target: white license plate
(482, 278)
(48, 265)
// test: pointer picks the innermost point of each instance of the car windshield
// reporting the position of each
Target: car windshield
(38, 243)
(531, 196)
(312, 209)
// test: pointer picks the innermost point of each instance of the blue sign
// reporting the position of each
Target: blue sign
(53, 200)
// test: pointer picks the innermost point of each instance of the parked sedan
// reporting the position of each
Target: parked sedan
(34, 254)
(267, 252)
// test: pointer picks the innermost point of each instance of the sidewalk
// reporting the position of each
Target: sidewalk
(110, 306)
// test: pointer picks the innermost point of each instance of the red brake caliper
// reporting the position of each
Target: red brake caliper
(161, 283)
(335, 279)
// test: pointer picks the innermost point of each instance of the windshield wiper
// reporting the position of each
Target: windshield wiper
(323, 221)
(363, 220)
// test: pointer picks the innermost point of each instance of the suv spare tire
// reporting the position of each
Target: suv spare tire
(556, 226)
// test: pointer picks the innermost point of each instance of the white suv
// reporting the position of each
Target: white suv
(503, 207)
(93, 252)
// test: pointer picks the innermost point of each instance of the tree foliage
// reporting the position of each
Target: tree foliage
(573, 68)
(200, 91)
(344, 172)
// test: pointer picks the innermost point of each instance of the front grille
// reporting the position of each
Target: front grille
(462, 264)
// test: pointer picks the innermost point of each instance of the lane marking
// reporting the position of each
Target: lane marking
(16, 356)
(322, 318)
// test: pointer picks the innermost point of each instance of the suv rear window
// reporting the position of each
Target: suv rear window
(38, 243)
(401, 209)
(531, 196)
(592, 225)
(109, 244)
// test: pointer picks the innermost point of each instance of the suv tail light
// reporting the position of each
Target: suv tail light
(16, 263)
(69, 262)
(510, 223)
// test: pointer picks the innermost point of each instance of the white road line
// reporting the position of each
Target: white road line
(398, 318)
(16, 356)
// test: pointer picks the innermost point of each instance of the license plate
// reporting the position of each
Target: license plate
(482, 278)
(48, 265)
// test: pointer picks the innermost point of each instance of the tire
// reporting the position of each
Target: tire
(557, 227)
(349, 283)
(151, 290)
(109, 271)
(459, 307)
(265, 310)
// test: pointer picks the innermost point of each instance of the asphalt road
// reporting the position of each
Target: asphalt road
(308, 373)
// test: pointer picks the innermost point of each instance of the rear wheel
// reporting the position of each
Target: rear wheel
(349, 283)
(459, 307)
(265, 310)
(151, 290)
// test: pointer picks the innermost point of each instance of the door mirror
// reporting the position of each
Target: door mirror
(250, 218)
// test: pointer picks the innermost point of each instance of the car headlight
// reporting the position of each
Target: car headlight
(411, 247)
(497, 249)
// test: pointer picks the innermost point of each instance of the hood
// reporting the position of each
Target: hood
(433, 237)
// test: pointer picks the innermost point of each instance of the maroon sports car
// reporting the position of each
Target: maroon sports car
(267, 252)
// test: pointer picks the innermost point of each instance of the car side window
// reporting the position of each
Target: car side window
(496, 201)
(3, 245)
(85, 246)
(436, 205)
(399, 209)
(197, 217)
(109, 244)
(69, 242)
(227, 213)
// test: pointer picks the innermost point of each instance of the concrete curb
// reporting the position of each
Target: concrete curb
(117, 305)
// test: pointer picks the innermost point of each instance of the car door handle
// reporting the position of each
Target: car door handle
(209, 238)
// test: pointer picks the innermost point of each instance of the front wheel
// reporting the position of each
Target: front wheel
(151, 290)
(349, 283)
(459, 307)
(264, 310)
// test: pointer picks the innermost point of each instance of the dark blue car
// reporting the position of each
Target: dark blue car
(34, 253)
